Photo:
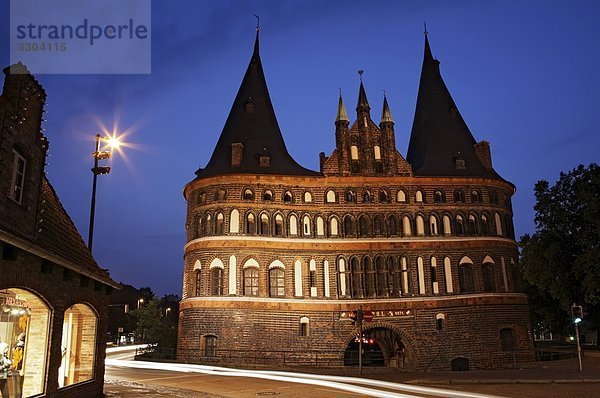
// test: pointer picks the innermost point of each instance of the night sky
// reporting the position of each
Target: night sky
(524, 75)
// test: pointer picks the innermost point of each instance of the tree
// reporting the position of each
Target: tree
(561, 260)
(157, 321)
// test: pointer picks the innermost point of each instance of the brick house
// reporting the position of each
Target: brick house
(53, 295)
(278, 256)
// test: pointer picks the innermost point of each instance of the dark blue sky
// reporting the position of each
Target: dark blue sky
(524, 74)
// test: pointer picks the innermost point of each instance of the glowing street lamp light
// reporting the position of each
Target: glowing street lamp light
(111, 142)
(140, 301)
(167, 311)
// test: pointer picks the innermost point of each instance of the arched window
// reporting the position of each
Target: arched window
(370, 285)
(459, 225)
(485, 226)
(420, 275)
(446, 222)
(202, 198)
(278, 225)
(419, 196)
(234, 222)
(508, 224)
(197, 283)
(298, 290)
(250, 224)
(248, 194)
(401, 196)
(350, 196)
(251, 281)
(439, 321)
(377, 152)
(330, 196)
(288, 197)
(308, 198)
(333, 227)
(268, 195)
(354, 152)
(433, 272)
(348, 226)
(304, 326)
(384, 196)
(216, 277)
(306, 227)
(439, 196)
(219, 224)
(406, 284)
(358, 277)
(472, 225)
(367, 197)
(489, 279)
(420, 225)
(459, 196)
(200, 226)
(344, 276)
(392, 225)
(293, 225)
(264, 224)
(465, 276)
(377, 225)
(25, 321)
(395, 277)
(448, 275)
(475, 196)
(210, 346)
(363, 226)
(276, 282)
(382, 277)
(433, 225)
(79, 344)
(406, 229)
(208, 225)
(320, 226)
(498, 223)
(493, 195)
(221, 194)
(312, 278)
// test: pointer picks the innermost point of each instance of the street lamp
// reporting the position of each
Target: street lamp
(111, 142)
(167, 311)
(139, 301)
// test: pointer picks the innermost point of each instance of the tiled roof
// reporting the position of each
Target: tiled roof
(57, 233)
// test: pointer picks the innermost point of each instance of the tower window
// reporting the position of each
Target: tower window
(248, 194)
(18, 177)
(287, 197)
(249, 107)
(210, 346)
(354, 152)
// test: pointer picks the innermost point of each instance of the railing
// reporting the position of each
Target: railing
(155, 353)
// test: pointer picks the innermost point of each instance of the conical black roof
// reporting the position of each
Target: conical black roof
(441, 144)
(252, 123)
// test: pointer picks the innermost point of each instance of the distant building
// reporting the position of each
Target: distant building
(53, 295)
(277, 256)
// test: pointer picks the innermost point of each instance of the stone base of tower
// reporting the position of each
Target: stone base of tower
(470, 332)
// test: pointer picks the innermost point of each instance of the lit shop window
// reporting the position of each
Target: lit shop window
(78, 345)
(24, 320)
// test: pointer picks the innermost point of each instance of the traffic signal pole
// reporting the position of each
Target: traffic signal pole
(578, 345)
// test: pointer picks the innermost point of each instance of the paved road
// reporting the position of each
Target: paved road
(121, 372)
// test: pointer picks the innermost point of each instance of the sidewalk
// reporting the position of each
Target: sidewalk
(127, 389)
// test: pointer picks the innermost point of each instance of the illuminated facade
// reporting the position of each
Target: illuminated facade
(277, 255)
(53, 295)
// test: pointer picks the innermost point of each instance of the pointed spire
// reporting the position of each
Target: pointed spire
(342, 115)
(251, 130)
(363, 102)
(386, 115)
(441, 143)
(256, 47)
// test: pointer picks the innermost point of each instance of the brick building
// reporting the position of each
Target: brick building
(53, 295)
(277, 256)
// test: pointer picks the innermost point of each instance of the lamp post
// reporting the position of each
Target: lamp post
(577, 315)
(167, 311)
(98, 170)
(139, 302)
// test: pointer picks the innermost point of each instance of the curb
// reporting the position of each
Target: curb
(501, 381)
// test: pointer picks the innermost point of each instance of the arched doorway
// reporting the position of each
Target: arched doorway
(382, 346)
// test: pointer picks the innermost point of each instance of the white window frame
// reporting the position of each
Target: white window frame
(15, 183)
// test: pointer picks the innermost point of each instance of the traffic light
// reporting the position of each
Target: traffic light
(576, 313)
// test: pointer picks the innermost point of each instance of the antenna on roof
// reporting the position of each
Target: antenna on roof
(360, 73)
(340, 91)
(257, 22)
(425, 27)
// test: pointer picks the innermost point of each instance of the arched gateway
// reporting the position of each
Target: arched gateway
(382, 346)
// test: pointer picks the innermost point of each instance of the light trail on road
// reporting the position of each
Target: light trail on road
(350, 384)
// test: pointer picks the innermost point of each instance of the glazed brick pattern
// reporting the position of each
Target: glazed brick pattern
(470, 331)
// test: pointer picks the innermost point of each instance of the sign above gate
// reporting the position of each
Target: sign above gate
(380, 314)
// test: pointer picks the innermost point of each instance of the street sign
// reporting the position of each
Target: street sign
(368, 316)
